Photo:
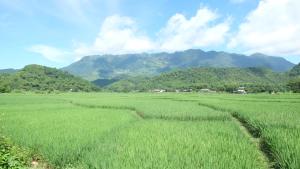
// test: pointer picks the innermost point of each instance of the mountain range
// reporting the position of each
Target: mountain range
(254, 79)
(130, 65)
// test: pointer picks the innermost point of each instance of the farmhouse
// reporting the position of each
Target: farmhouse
(158, 90)
(241, 90)
(187, 90)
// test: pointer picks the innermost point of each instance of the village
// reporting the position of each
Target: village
(239, 90)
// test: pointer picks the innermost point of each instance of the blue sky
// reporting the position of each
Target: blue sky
(59, 32)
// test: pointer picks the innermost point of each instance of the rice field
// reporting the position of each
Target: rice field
(149, 130)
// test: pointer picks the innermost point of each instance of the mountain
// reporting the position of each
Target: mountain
(294, 82)
(220, 79)
(41, 78)
(116, 66)
(8, 71)
(295, 71)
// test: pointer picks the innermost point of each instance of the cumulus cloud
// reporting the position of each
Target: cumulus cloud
(51, 53)
(272, 28)
(118, 35)
(200, 30)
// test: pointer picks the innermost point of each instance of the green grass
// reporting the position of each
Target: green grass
(277, 119)
(152, 107)
(60, 131)
(144, 130)
(176, 144)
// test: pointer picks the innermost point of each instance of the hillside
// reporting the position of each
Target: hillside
(295, 71)
(41, 78)
(116, 66)
(220, 79)
(294, 82)
(8, 71)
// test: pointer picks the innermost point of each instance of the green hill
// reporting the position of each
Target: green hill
(9, 71)
(295, 71)
(294, 82)
(117, 66)
(220, 79)
(41, 78)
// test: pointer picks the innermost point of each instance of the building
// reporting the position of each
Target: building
(241, 90)
(158, 90)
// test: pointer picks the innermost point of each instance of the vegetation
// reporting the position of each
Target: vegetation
(5, 83)
(218, 79)
(146, 130)
(274, 119)
(8, 71)
(294, 82)
(116, 66)
(41, 78)
(294, 85)
(11, 156)
(295, 71)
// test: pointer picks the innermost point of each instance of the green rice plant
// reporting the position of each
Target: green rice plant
(176, 144)
(146, 130)
(150, 107)
(277, 121)
(61, 132)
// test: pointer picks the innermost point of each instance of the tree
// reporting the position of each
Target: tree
(294, 85)
(4, 83)
(295, 71)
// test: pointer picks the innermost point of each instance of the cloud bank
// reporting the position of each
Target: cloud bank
(200, 30)
(272, 28)
(120, 35)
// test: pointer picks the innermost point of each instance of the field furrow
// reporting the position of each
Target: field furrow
(107, 130)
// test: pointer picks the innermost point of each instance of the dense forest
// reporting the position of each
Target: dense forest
(254, 80)
(216, 79)
(294, 83)
(41, 78)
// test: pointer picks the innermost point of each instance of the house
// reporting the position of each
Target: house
(241, 90)
(187, 90)
(158, 90)
(205, 90)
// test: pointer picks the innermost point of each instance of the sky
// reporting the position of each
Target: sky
(58, 32)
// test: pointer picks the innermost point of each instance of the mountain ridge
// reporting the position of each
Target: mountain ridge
(150, 64)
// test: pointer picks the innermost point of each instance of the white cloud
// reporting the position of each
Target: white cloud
(272, 28)
(120, 35)
(117, 35)
(200, 30)
(51, 53)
